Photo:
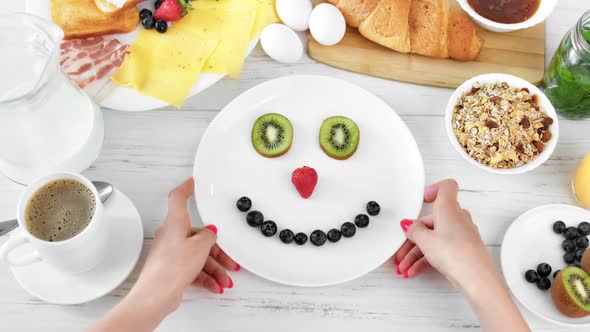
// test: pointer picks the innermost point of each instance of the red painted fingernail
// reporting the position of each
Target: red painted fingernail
(405, 224)
(406, 275)
(231, 282)
(212, 228)
(398, 271)
(238, 267)
(220, 289)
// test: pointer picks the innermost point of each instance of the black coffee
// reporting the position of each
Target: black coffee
(59, 210)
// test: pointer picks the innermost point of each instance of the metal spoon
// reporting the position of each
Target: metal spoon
(104, 189)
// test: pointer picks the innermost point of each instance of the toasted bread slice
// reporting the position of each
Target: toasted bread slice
(108, 7)
(388, 25)
(464, 43)
(82, 19)
(355, 11)
(428, 27)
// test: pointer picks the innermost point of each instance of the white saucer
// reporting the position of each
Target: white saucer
(530, 240)
(126, 239)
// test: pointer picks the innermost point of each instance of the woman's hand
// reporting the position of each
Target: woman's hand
(181, 255)
(449, 241)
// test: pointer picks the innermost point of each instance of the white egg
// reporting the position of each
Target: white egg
(281, 43)
(294, 13)
(326, 24)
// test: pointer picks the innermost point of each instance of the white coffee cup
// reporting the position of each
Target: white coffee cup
(78, 254)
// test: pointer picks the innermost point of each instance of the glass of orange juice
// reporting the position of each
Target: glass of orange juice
(581, 182)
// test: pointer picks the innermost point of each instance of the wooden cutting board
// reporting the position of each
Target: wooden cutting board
(520, 53)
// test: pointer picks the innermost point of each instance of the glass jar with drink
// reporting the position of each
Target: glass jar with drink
(567, 79)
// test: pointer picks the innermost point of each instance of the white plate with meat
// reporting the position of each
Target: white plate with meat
(93, 73)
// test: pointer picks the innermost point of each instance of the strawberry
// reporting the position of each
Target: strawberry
(172, 10)
(304, 179)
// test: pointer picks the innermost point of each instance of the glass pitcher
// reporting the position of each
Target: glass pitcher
(47, 123)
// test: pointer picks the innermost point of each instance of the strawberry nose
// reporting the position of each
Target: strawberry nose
(305, 180)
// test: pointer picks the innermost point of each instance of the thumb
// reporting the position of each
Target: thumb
(205, 238)
(420, 234)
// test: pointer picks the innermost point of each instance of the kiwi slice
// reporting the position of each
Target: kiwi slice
(339, 137)
(272, 135)
(571, 292)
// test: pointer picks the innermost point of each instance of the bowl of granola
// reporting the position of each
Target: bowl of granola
(502, 124)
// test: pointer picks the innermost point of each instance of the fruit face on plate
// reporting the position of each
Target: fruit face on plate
(387, 168)
(272, 137)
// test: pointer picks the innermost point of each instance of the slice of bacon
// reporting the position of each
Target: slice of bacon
(91, 62)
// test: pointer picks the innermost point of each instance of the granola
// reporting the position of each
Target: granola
(501, 126)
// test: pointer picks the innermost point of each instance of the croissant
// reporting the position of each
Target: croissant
(426, 27)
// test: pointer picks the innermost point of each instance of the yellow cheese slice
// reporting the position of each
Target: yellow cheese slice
(229, 22)
(265, 15)
(165, 65)
(212, 37)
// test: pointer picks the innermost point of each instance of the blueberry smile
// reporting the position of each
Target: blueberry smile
(318, 237)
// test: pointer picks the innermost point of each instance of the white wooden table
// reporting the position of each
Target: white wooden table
(146, 154)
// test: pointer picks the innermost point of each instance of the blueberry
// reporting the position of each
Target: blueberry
(361, 221)
(334, 235)
(148, 22)
(254, 218)
(531, 276)
(569, 257)
(559, 227)
(568, 245)
(301, 238)
(582, 242)
(348, 229)
(544, 269)
(556, 273)
(584, 228)
(145, 13)
(544, 284)
(161, 26)
(268, 228)
(244, 204)
(286, 236)
(318, 238)
(579, 254)
(373, 208)
(158, 3)
(571, 233)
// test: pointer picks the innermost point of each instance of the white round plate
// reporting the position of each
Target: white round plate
(53, 286)
(530, 240)
(126, 99)
(387, 168)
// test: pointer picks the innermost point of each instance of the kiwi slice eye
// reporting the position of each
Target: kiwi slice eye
(339, 137)
(272, 135)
